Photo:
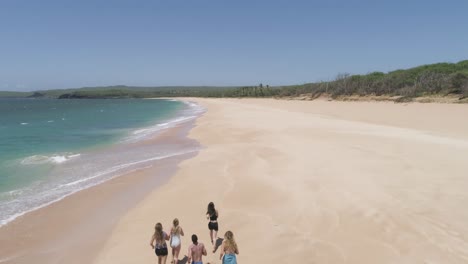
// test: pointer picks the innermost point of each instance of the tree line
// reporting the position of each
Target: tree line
(433, 79)
(441, 79)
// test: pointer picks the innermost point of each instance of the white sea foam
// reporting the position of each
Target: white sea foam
(58, 159)
(78, 185)
(13, 193)
(54, 159)
(72, 177)
(8, 258)
(24, 124)
(193, 111)
(123, 166)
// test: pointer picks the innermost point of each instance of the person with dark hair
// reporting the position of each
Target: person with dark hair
(158, 243)
(212, 216)
(196, 251)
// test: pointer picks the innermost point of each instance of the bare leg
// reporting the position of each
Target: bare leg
(159, 260)
(176, 254)
(211, 236)
(215, 238)
(173, 253)
(163, 258)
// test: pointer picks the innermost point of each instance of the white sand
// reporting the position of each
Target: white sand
(317, 182)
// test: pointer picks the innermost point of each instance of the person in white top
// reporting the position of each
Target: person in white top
(176, 232)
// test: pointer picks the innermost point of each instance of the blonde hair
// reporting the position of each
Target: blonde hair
(176, 228)
(229, 242)
(158, 234)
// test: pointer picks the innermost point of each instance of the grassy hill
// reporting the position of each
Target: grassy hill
(440, 79)
(435, 79)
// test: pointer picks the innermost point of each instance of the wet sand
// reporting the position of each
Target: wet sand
(74, 229)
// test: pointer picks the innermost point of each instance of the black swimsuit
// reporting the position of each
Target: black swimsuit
(213, 225)
(161, 249)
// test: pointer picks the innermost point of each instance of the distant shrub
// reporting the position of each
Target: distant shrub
(464, 89)
(407, 91)
(459, 79)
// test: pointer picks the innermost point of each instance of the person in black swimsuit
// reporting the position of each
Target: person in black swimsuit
(212, 216)
(158, 243)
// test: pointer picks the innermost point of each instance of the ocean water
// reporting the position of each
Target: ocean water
(52, 148)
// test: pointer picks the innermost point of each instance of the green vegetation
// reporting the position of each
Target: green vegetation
(142, 92)
(435, 79)
(440, 79)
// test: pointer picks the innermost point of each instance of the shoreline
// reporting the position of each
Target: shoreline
(90, 212)
(270, 167)
(324, 182)
(63, 173)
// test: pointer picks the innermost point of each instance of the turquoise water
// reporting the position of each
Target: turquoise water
(51, 148)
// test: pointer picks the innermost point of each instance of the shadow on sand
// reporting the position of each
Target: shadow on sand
(217, 244)
(183, 261)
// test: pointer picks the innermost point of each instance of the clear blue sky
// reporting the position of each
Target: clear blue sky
(62, 44)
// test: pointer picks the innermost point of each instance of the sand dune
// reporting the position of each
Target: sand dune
(317, 182)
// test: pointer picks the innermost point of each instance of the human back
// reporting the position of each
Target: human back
(175, 239)
(176, 243)
(196, 251)
(229, 249)
(212, 216)
(158, 243)
(176, 232)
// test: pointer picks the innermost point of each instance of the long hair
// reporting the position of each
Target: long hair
(158, 234)
(211, 209)
(176, 227)
(229, 242)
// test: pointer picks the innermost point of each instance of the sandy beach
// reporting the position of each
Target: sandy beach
(316, 182)
(296, 181)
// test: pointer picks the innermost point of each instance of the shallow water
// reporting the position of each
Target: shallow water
(50, 149)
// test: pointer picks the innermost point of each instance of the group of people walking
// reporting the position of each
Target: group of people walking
(196, 250)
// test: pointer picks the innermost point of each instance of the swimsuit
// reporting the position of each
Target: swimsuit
(175, 241)
(213, 224)
(229, 259)
(161, 249)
